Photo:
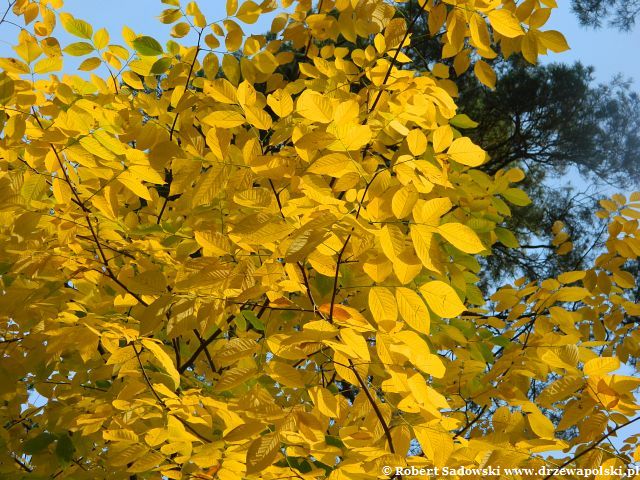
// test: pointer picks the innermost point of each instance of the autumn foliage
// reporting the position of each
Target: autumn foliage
(238, 256)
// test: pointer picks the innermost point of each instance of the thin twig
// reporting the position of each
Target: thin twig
(584, 452)
(375, 407)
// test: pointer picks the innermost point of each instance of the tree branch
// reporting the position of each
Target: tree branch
(593, 446)
(375, 407)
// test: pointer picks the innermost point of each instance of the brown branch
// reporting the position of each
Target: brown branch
(302, 360)
(161, 402)
(305, 279)
(175, 120)
(375, 407)
(471, 423)
(86, 213)
(195, 57)
(206, 350)
(344, 247)
(395, 56)
(11, 340)
(277, 195)
(203, 345)
(6, 12)
(334, 293)
(593, 446)
(308, 46)
(88, 387)
(175, 342)
(23, 465)
(106, 245)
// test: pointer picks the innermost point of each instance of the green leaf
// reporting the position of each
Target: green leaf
(6, 88)
(517, 197)
(147, 46)
(500, 341)
(240, 323)
(507, 237)
(334, 441)
(161, 66)
(253, 320)
(37, 444)
(79, 48)
(463, 121)
(65, 448)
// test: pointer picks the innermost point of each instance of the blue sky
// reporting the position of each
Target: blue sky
(610, 51)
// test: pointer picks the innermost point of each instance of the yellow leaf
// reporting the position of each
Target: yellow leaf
(505, 23)
(79, 48)
(413, 310)
(221, 90)
(442, 299)
(61, 191)
(378, 268)
(89, 64)
(325, 401)
(146, 173)
(464, 151)
(436, 444)
(516, 196)
(164, 359)
(234, 377)
(461, 237)
(572, 294)
(432, 210)
(485, 73)
(262, 452)
(257, 117)
(134, 184)
(266, 62)
(349, 137)
(422, 239)
(280, 102)
(442, 138)
(132, 80)
(407, 266)
(601, 366)
(314, 106)
(356, 342)
(530, 47)
(101, 38)
(75, 26)
(120, 435)
(391, 241)
(553, 40)
(403, 201)
(249, 12)
(156, 436)
(383, 306)
(541, 425)
(224, 119)
(232, 7)
(479, 32)
(180, 30)
(417, 142)
(47, 65)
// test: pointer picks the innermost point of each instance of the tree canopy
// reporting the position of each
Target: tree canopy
(621, 14)
(228, 259)
(524, 122)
